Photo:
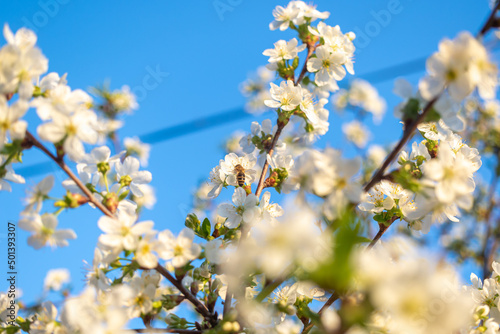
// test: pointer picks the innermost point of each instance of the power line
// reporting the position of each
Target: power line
(230, 116)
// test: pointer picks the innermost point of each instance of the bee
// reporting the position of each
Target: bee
(240, 174)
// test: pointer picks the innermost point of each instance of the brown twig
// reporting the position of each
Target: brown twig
(67, 170)
(489, 22)
(382, 228)
(310, 51)
(407, 134)
(327, 304)
(260, 185)
(200, 308)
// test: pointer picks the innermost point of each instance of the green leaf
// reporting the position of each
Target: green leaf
(379, 218)
(205, 228)
(193, 222)
(12, 330)
(432, 116)
(25, 324)
(410, 110)
(336, 272)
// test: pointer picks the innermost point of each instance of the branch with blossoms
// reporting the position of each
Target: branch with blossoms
(254, 265)
(432, 87)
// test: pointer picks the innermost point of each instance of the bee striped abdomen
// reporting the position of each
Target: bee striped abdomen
(240, 175)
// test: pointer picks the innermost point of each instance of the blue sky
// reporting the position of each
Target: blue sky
(203, 54)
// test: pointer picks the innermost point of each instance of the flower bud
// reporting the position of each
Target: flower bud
(111, 202)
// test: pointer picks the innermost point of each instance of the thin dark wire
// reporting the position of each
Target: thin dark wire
(230, 116)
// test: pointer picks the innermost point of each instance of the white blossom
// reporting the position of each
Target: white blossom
(245, 209)
(10, 120)
(43, 229)
(56, 278)
(180, 250)
(135, 147)
(284, 50)
(460, 65)
(129, 175)
(286, 96)
(356, 133)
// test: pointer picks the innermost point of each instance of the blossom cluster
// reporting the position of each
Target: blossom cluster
(251, 264)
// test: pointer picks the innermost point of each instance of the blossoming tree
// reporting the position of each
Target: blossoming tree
(253, 265)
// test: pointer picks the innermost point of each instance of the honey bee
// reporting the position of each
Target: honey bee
(240, 174)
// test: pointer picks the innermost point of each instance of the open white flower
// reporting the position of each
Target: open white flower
(24, 38)
(228, 167)
(278, 161)
(128, 174)
(336, 41)
(10, 120)
(461, 65)
(56, 278)
(144, 252)
(60, 100)
(135, 147)
(45, 321)
(180, 249)
(21, 63)
(123, 232)
(100, 160)
(217, 180)
(356, 133)
(88, 179)
(365, 96)
(286, 96)
(269, 211)
(123, 100)
(52, 80)
(8, 174)
(283, 16)
(450, 173)
(376, 201)
(75, 130)
(96, 275)
(307, 105)
(245, 209)
(328, 65)
(284, 50)
(267, 128)
(44, 231)
(38, 194)
(214, 251)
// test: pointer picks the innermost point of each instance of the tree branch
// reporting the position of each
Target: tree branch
(381, 231)
(67, 170)
(329, 302)
(200, 308)
(408, 133)
(260, 185)
(310, 51)
(489, 22)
